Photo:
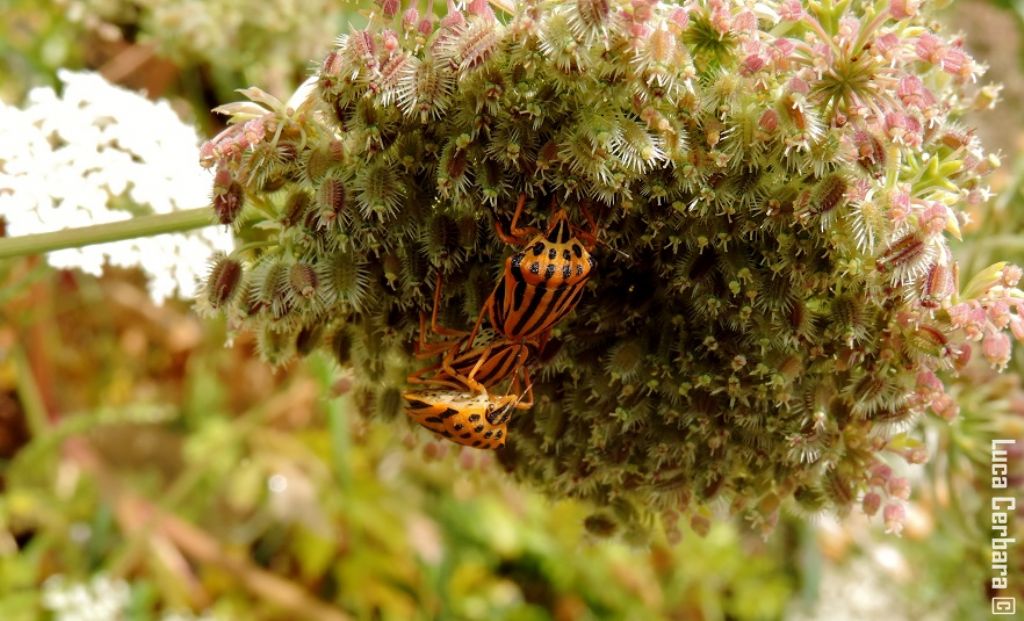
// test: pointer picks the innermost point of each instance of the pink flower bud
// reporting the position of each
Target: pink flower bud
(1011, 275)
(410, 18)
(390, 41)
(928, 383)
(435, 450)
(1017, 328)
(899, 487)
(880, 474)
(887, 44)
(999, 314)
(642, 11)
(848, 27)
(389, 8)
(894, 515)
(746, 21)
(454, 19)
(791, 10)
(928, 48)
(680, 18)
(956, 62)
(797, 85)
(916, 455)
(871, 503)
(769, 121)
(945, 407)
(751, 65)
(253, 132)
(481, 8)
(902, 9)
(996, 348)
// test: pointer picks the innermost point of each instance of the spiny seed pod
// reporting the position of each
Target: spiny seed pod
(274, 288)
(348, 280)
(341, 347)
(591, 16)
(827, 197)
(295, 208)
(275, 346)
(322, 160)
(452, 171)
(471, 47)
(331, 198)
(425, 88)
(308, 338)
(469, 230)
(905, 258)
(223, 280)
(626, 360)
(441, 238)
(838, 489)
(228, 197)
(379, 191)
(936, 285)
(389, 403)
(870, 152)
(303, 280)
(600, 525)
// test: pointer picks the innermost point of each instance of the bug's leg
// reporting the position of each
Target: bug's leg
(437, 380)
(417, 377)
(471, 377)
(525, 400)
(589, 237)
(424, 349)
(516, 236)
(434, 326)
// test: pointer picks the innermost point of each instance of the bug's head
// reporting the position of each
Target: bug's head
(499, 413)
(559, 229)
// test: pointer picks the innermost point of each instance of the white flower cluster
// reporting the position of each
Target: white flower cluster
(100, 599)
(98, 153)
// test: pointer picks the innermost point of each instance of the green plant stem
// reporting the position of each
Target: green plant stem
(29, 395)
(142, 226)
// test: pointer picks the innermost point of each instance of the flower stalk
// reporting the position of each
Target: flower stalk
(141, 226)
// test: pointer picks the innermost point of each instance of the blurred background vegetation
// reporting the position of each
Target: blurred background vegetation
(149, 472)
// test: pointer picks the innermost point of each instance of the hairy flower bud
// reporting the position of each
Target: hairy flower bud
(223, 280)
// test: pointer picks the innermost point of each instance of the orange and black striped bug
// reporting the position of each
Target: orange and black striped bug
(455, 402)
(543, 282)
(467, 415)
(475, 366)
(474, 419)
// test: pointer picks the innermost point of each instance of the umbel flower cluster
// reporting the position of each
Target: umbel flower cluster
(773, 302)
(96, 153)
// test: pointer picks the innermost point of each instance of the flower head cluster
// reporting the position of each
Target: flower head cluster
(98, 153)
(99, 599)
(775, 185)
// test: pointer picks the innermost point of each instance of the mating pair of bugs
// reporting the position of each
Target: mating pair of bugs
(540, 285)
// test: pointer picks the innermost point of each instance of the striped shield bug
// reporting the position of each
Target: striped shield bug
(541, 283)
(475, 419)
